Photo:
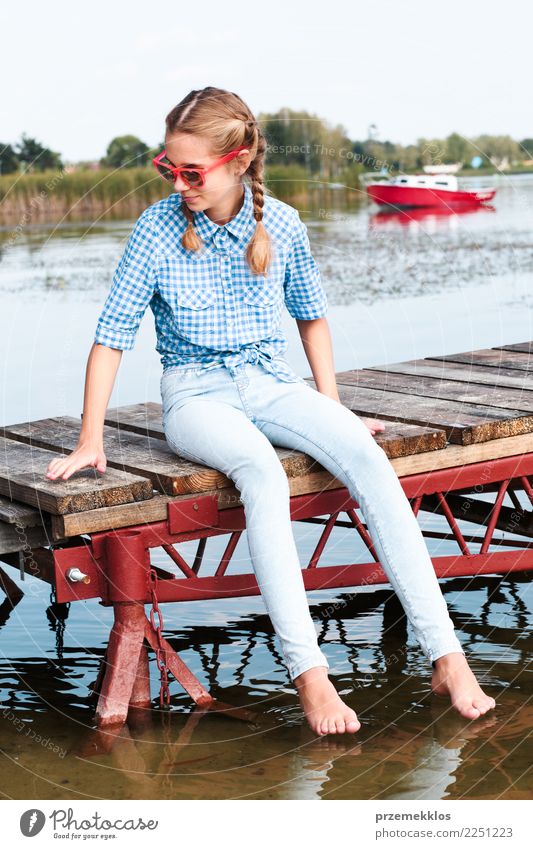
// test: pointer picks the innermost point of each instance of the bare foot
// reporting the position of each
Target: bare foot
(453, 677)
(324, 709)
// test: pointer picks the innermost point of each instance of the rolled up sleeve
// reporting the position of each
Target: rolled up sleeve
(132, 288)
(305, 297)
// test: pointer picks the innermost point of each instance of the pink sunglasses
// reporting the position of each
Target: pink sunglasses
(193, 177)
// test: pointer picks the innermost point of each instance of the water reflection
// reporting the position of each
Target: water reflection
(432, 218)
(411, 744)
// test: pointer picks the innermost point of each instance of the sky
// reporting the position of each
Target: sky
(77, 75)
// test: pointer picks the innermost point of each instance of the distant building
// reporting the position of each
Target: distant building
(502, 163)
(85, 165)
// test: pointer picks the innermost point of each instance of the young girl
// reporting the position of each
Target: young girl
(216, 261)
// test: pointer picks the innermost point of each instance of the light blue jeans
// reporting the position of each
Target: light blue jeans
(229, 419)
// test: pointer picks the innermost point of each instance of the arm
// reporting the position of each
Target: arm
(307, 302)
(102, 368)
(316, 340)
(132, 288)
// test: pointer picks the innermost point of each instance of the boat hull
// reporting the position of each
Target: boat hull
(408, 196)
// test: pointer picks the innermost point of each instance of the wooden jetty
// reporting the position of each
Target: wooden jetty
(459, 435)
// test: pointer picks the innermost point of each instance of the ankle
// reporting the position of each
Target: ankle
(315, 675)
(450, 659)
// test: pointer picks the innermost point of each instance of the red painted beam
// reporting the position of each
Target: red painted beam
(339, 577)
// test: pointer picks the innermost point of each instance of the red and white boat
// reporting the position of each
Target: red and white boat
(436, 190)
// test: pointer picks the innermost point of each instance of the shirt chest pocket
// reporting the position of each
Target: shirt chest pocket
(262, 305)
(262, 295)
(194, 308)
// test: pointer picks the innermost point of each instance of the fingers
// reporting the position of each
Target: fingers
(373, 425)
(55, 467)
(376, 426)
(62, 468)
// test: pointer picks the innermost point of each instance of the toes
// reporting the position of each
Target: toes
(484, 703)
(340, 726)
(323, 726)
(352, 724)
(470, 711)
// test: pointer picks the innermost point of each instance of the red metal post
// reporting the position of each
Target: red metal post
(123, 654)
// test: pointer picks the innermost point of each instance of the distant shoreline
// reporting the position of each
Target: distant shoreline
(110, 194)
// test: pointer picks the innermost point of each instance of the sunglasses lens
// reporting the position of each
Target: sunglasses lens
(193, 178)
(165, 172)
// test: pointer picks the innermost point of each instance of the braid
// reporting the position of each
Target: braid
(255, 172)
(190, 240)
(258, 252)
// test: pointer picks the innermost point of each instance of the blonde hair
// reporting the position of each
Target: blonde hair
(225, 120)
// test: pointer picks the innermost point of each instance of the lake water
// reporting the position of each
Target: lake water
(398, 288)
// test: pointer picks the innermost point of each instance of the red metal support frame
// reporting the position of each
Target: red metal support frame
(120, 574)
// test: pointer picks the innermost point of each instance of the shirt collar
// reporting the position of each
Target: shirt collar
(239, 226)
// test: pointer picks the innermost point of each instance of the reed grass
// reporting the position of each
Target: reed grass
(128, 190)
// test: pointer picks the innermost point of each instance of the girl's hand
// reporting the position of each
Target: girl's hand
(374, 425)
(84, 455)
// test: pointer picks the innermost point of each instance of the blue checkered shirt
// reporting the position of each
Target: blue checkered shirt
(210, 309)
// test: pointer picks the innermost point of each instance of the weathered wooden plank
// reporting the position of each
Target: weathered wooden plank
(464, 424)
(491, 357)
(398, 440)
(521, 347)
(463, 455)
(145, 418)
(14, 512)
(468, 393)
(462, 372)
(22, 477)
(14, 538)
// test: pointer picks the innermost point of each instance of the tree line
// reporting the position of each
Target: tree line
(303, 141)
